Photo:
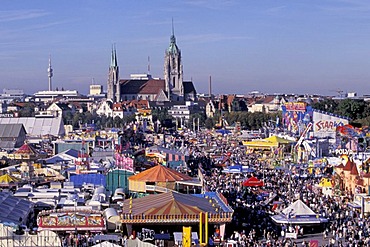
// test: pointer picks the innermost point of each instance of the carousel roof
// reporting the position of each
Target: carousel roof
(160, 173)
(170, 203)
(26, 149)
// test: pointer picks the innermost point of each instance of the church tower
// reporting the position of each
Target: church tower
(113, 86)
(173, 73)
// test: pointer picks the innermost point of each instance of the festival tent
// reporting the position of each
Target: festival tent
(298, 213)
(253, 182)
(8, 180)
(233, 169)
(326, 186)
(325, 182)
(14, 210)
(279, 140)
(223, 131)
(170, 203)
(106, 244)
(270, 142)
(159, 176)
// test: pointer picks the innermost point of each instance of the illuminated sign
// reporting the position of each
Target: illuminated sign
(295, 106)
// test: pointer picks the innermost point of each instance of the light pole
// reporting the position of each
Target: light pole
(75, 213)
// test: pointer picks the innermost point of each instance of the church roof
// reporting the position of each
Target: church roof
(189, 87)
(151, 86)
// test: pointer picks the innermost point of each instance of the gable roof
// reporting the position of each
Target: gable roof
(11, 130)
(38, 126)
(13, 209)
(189, 87)
(268, 99)
(151, 86)
(161, 96)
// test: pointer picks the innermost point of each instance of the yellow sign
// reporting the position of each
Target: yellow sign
(186, 236)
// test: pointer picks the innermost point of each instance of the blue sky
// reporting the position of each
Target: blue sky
(273, 46)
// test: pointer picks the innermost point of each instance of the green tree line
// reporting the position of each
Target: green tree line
(357, 110)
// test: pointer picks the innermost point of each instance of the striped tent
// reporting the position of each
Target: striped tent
(170, 203)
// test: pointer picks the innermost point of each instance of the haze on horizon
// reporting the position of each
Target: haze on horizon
(272, 46)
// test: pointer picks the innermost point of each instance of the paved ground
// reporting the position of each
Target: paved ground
(308, 237)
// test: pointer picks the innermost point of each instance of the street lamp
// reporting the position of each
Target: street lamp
(75, 198)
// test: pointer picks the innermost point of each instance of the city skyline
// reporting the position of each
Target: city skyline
(269, 46)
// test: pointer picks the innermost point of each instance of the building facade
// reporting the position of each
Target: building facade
(144, 87)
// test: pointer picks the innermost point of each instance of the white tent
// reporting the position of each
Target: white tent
(298, 213)
(298, 208)
(106, 244)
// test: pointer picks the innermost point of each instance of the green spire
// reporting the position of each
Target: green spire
(113, 62)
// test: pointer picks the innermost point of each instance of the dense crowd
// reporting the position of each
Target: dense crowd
(252, 224)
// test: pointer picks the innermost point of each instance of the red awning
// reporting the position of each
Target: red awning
(253, 182)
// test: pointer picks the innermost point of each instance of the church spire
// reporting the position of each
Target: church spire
(173, 38)
(114, 62)
(113, 86)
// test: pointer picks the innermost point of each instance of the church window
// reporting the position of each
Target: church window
(173, 82)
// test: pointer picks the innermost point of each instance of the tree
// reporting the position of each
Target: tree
(160, 114)
(27, 111)
(327, 105)
(351, 108)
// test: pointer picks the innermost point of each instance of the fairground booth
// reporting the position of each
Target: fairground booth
(299, 215)
(162, 179)
(207, 214)
(73, 220)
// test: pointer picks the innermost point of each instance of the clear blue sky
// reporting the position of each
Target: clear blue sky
(273, 46)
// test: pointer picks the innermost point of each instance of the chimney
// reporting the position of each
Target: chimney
(210, 86)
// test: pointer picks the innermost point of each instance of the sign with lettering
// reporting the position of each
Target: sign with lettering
(343, 151)
(6, 115)
(295, 106)
(146, 234)
(327, 123)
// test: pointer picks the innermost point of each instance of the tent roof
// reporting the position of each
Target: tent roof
(6, 179)
(298, 208)
(13, 209)
(260, 143)
(26, 149)
(276, 139)
(106, 244)
(272, 141)
(160, 173)
(298, 213)
(253, 182)
(170, 203)
(325, 182)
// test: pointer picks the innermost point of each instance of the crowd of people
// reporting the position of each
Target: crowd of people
(254, 206)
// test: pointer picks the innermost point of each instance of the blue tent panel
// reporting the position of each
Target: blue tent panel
(94, 178)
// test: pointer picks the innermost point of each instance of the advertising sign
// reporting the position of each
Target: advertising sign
(296, 117)
(326, 123)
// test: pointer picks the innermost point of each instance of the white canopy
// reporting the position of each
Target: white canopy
(298, 213)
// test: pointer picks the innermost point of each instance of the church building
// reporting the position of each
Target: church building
(171, 89)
